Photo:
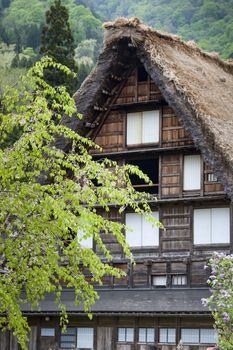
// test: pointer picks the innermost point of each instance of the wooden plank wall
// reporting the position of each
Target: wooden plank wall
(173, 134)
(105, 332)
(177, 221)
(111, 136)
(171, 175)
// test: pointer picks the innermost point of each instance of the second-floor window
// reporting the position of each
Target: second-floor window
(142, 127)
(192, 173)
(143, 233)
(211, 226)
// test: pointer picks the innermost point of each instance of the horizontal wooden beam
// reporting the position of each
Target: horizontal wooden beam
(140, 105)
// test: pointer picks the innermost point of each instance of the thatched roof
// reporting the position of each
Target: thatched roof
(197, 85)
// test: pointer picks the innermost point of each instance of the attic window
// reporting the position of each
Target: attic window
(142, 127)
(142, 74)
(149, 167)
(192, 172)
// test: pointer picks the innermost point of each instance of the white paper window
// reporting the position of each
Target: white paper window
(192, 172)
(211, 226)
(134, 128)
(179, 280)
(126, 335)
(198, 336)
(159, 281)
(190, 335)
(85, 338)
(143, 233)
(143, 127)
(146, 335)
(47, 332)
(167, 335)
(208, 336)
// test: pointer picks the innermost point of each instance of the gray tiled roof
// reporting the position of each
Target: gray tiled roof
(156, 301)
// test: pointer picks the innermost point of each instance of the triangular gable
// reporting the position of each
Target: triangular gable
(198, 86)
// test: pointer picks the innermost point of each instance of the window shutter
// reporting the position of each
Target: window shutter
(134, 221)
(134, 128)
(192, 172)
(85, 337)
(202, 226)
(150, 234)
(220, 225)
(150, 126)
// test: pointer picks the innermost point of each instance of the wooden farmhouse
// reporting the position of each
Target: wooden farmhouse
(164, 105)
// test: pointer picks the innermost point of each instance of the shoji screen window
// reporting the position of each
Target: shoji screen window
(81, 338)
(126, 335)
(85, 338)
(167, 335)
(143, 127)
(198, 336)
(142, 233)
(146, 335)
(192, 173)
(211, 226)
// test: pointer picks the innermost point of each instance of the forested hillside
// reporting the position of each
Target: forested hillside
(208, 22)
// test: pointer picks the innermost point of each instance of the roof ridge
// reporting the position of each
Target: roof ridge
(130, 27)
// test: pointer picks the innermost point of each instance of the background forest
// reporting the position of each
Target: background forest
(208, 22)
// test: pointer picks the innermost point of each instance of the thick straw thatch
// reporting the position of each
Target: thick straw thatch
(197, 85)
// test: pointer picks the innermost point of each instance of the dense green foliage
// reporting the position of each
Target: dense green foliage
(208, 22)
(48, 200)
(57, 42)
(221, 300)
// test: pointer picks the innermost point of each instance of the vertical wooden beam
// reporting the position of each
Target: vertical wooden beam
(178, 331)
(181, 175)
(148, 87)
(191, 213)
(160, 177)
(136, 85)
(160, 126)
(202, 178)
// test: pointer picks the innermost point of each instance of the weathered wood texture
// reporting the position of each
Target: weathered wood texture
(171, 175)
(106, 328)
(211, 187)
(105, 338)
(173, 134)
(176, 235)
(111, 136)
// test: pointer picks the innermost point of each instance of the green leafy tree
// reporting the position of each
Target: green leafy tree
(221, 300)
(48, 200)
(57, 42)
